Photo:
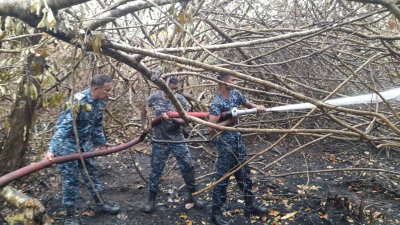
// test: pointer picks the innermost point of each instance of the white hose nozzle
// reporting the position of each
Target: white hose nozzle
(238, 112)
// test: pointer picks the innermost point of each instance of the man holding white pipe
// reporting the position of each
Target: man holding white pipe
(231, 151)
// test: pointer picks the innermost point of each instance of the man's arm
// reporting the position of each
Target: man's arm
(144, 117)
(98, 137)
(215, 119)
(186, 106)
(63, 127)
(250, 105)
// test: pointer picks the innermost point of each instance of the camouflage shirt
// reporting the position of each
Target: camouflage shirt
(89, 125)
(220, 105)
(166, 130)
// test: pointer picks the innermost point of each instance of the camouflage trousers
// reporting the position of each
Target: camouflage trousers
(231, 152)
(159, 156)
(70, 173)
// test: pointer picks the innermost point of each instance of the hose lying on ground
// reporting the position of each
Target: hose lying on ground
(6, 179)
(14, 175)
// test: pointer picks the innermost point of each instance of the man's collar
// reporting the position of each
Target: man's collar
(88, 93)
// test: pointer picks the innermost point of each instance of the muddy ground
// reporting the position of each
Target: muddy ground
(349, 197)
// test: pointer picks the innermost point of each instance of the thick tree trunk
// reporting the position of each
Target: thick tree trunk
(16, 143)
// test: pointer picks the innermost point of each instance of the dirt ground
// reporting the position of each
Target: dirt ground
(343, 197)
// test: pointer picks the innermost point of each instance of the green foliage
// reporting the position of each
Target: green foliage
(87, 107)
(48, 20)
(30, 90)
(47, 80)
(2, 90)
(74, 107)
(182, 18)
(96, 44)
(9, 23)
(6, 125)
(3, 34)
(52, 101)
(36, 6)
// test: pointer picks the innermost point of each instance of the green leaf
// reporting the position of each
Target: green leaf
(45, 102)
(96, 44)
(51, 20)
(87, 107)
(26, 90)
(48, 80)
(2, 90)
(2, 34)
(171, 10)
(37, 68)
(182, 19)
(43, 22)
(6, 124)
(9, 23)
(36, 6)
(19, 28)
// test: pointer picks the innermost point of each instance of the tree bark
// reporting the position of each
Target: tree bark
(16, 143)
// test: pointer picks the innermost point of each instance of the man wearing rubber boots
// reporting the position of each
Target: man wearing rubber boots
(168, 137)
(87, 110)
(231, 151)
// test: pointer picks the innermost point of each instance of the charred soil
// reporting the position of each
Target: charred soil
(350, 196)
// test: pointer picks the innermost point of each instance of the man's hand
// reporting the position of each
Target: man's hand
(146, 129)
(165, 116)
(49, 156)
(261, 108)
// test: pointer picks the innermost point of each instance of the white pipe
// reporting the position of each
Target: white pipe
(392, 94)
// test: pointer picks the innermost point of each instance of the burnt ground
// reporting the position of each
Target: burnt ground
(329, 198)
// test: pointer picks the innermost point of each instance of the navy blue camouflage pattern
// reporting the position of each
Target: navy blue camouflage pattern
(90, 132)
(169, 131)
(231, 152)
(89, 124)
(159, 156)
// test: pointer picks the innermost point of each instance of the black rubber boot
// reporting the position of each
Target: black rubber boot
(218, 219)
(198, 203)
(107, 208)
(72, 218)
(253, 209)
(150, 206)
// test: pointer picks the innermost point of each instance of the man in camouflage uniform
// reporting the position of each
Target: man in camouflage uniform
(231, 151)
(166, 137)
(87, 110)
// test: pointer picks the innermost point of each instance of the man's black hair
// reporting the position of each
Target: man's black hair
(173, 80)
(223, 76)
(100, 80)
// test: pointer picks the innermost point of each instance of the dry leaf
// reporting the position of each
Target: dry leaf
(323, 216)
(392, 24)
(89, 213)
(273, 213)
(189, 205)
(263, 219)
(122, 216)
(183, 216)
(376, 214)
(289, 215)
(189, 222)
